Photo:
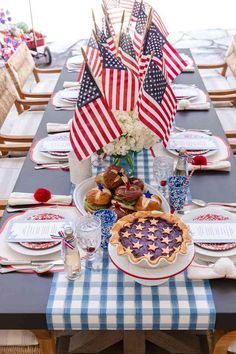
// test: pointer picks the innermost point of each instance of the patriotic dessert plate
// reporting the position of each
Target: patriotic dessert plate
(82, 189)
(61, 155)
(148, 276)
(37, 248)
(212, 250)
(195, 135)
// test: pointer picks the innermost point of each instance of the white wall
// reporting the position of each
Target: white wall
(61, 20)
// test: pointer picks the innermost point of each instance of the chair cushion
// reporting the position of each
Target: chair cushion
(227, 118)
(24, 124)
(214, 81)
(9, 172)
(17, 338)
(43, 86)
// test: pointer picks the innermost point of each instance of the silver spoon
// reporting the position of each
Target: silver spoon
(39, 269)
(202, 203)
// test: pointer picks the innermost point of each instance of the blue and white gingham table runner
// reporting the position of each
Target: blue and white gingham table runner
(111, 300)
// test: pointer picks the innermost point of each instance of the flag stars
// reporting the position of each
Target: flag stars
(152, 247)
(137, 245)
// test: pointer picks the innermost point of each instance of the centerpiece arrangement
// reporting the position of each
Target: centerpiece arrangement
(136, 137)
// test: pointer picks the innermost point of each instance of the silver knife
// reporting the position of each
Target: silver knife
(32, 263)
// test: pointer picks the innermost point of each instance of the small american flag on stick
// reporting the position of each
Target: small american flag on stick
(154, 41)
(94, 59)
(93, 125)
(127, 53)
(120, 85)
(156, 19)
(157, 103)
(106, 38)
(115, 9)
(139, 32)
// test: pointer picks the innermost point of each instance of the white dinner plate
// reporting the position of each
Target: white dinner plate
(198, 135)
(185, 91)
(25, 216)
(82, 189)
(51, 138)
(210, 213)
(151, 277)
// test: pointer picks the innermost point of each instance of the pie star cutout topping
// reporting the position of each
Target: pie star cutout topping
(137, 245)
(167, 230)
(139, 227)
(153, 221)
(141, 220)
(152, 229)
(165, 240)
(152, 247)
(126, 234)
(179, 238)
(139, 235)
(128, 249)
(166, 250)
(151, 238)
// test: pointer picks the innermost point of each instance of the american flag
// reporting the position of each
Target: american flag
(106, 38)
(120, 85)
(157, 103)
(127, 53)
(140, 29)
(156, 19)
(93, 125)
(134, 15)
(109, 22)
(115, 9)
(94, 59)
(155, 42)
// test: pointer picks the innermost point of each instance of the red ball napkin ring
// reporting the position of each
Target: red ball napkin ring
(42, 195)
(199, 160)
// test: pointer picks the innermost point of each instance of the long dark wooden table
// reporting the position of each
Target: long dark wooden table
(23, 297)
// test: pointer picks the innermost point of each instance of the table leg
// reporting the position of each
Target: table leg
(46, 341)
(134, 342)
(222, 344)
(93, 341)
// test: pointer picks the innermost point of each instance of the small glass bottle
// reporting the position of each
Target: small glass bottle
(181, 168)
(72, 264)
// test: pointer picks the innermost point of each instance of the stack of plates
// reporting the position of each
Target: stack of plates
(185, 92)
(212, 251)
(75, 63)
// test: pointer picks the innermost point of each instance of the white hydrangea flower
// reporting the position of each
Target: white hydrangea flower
(136, 136)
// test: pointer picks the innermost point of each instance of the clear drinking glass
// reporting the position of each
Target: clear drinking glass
(88, 232)
(98, 159)
(163, 168)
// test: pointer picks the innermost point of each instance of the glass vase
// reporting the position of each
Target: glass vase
(126, 161)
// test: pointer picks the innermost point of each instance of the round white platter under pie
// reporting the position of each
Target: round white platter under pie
(82, 189)
(211, 214)
(193, 134)
(62, 136)
(37, 212)
(150, 277)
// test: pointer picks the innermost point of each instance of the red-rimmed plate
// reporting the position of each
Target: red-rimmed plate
(148, 276)
(216, 214)
(38, 248)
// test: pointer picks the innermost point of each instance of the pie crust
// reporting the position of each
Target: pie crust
(150, 236)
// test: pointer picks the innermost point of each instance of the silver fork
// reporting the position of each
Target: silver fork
(206, 131)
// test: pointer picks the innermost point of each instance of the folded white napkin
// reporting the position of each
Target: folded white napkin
(58, 127)
(212, 166)
(191, 106)
(69, 84)
(17, 198)
(189, 69)
(222, 268)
